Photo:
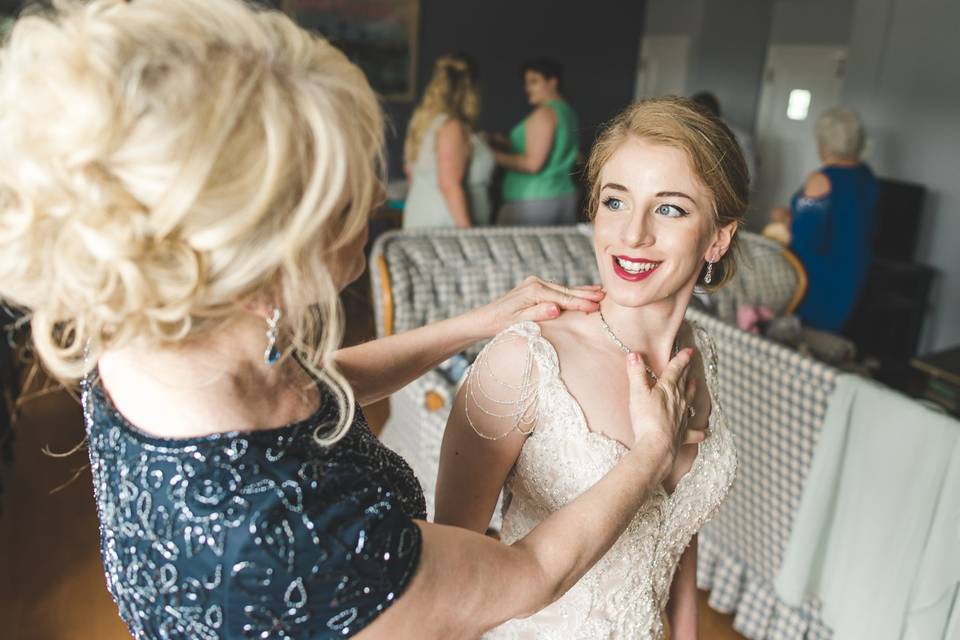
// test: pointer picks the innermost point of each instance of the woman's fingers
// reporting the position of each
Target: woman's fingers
(694, 436)
(691, 391)
(637, 374)
(569, 298)
(677, 367)
(541, 312)
(587, 293)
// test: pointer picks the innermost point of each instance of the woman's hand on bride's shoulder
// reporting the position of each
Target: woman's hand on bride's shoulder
(659, 412)
(536, 300)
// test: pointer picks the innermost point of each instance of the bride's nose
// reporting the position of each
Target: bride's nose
(637, 231)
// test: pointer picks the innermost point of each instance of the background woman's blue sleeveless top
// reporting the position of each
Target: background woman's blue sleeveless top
(833, 237)
(261, 534)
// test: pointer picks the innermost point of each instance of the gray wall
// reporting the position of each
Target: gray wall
(597, 44)
(811, 21)
(673, 17)
(728, 56)
(904, 78)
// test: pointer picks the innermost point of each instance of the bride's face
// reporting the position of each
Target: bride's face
(654, 224)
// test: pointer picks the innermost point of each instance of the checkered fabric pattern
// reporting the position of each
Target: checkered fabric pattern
(763, 278)
(774, 399)
(439, 273)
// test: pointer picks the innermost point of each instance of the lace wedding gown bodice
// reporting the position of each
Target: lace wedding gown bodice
(625, 593)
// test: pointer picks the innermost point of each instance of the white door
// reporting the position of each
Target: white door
(663, 66)
(800, 83)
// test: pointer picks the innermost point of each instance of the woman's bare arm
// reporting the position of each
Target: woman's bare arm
(377, 368)
(538, 141)
(682, 602)
(474, 467)
(453, 155)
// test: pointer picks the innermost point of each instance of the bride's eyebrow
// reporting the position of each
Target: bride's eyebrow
(616, 187)
(675, 194)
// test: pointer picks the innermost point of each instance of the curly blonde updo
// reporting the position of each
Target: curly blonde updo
(714, 155)
(453, 91)
(163, 162)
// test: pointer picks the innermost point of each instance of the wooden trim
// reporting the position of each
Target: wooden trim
(935, 371)
(802, 281)
(386, 294)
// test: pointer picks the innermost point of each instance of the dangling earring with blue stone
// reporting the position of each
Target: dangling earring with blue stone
(272, 354)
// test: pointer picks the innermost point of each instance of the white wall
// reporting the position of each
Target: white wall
(903, 76)
(729, 40)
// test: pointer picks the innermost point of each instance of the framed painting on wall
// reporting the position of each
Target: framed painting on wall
(380, 36)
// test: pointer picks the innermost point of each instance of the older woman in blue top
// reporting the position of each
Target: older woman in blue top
(832, 222)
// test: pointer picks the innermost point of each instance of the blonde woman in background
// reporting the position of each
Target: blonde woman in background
(180, 241)
(448, 165)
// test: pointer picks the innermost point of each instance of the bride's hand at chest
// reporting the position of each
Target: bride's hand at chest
(594, 375)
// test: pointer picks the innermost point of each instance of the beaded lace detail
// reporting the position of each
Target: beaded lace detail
(625, 594)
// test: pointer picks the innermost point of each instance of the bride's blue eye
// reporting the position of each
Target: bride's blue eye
(670, 211)
(614, 204)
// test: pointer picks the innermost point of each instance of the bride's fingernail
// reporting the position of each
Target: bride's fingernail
(632, 358)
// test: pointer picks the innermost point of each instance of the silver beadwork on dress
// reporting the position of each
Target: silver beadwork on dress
(625, 594)
(520, 405)
(265, 534)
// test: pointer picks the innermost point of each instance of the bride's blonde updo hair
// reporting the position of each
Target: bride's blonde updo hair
(165, 162)
(714, 155)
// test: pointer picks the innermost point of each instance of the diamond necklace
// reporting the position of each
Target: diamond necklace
(626, 349)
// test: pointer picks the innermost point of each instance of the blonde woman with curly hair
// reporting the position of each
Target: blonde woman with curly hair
(184, 191)
(547, 408)
(448, 165)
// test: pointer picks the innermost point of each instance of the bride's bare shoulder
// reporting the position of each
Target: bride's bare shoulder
(568, 328)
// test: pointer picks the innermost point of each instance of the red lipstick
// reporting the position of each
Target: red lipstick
(632, 277)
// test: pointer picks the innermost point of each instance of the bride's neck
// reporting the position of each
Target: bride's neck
(649, 330)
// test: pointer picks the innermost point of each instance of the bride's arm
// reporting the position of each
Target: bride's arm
(377, 368)
(480, 447)
(682, 602)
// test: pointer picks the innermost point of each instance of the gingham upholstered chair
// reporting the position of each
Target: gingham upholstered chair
(774, 398)
(767, 274)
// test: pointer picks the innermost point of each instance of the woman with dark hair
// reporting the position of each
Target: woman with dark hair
(540, 154)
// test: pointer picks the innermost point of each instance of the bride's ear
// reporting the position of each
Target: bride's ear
(723, 236)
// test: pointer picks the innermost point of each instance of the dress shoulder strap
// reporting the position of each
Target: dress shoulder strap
(711, 361)
(502, 389)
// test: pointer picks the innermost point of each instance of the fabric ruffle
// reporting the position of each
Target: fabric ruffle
(758, 614)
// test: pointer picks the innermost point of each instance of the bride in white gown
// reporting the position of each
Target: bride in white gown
(544, 412)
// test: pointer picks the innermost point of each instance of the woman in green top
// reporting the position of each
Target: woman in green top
(541, 152)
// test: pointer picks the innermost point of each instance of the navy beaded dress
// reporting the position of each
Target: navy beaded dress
(262, 534)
